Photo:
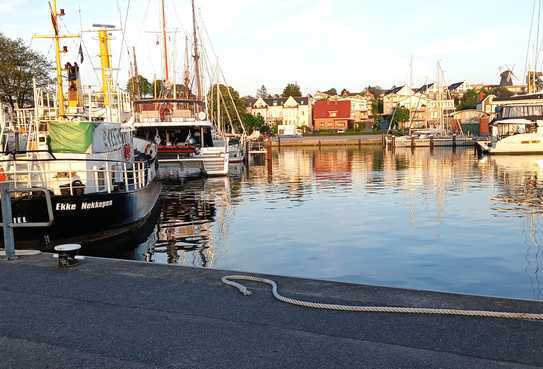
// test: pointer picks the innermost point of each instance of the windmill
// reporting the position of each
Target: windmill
(507, 75)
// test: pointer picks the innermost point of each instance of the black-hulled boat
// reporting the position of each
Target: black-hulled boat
(75, 169)
(83, 197)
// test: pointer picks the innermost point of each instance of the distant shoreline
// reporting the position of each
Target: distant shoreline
(348, 140)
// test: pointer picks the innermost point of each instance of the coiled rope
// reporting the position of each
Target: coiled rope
(229, 281)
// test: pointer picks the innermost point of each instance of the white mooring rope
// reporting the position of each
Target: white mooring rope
(228, 280)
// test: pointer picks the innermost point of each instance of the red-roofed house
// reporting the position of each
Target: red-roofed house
(332, 115)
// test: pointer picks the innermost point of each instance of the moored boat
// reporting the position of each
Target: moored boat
(518, 130)
(76, 172)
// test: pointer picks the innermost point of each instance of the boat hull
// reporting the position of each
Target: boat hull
(520, 144)
(88, 219)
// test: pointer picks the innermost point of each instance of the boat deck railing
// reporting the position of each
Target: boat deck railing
(67, 178)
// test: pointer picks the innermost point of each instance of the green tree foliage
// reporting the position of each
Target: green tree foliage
(331, 92)
(232, 107)
(262, 92)
(401, 115)
(255, 123)
(499, 92)
(145, 87)
(376, 107)
(293, 90)
(469, 100)
(18, 65)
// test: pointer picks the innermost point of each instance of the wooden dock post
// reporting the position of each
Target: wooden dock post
(413, 142)
(432, 142)
(454, 140)
(247, 156)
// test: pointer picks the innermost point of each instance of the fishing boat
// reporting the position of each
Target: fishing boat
(518, 130)
(76, 172)
(178, 117)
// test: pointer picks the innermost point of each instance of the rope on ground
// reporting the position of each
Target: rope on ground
(229, 281)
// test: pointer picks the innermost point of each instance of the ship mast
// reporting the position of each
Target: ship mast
(196, 55)
(165, 43)
(60, 89)
(57, 37)
(186, 75)
(137, 86)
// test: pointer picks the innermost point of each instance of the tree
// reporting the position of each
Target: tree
(262, 92)
(376, 107)
(232, 107)
(19, 65)
(402, 114)
(255, 123)
(331, 92)
(145, 88)
(469, 100)
(292, 89)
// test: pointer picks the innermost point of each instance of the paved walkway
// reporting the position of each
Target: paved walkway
(114, 314)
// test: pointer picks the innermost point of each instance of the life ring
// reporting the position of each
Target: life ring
(127, 151)
(3, 177)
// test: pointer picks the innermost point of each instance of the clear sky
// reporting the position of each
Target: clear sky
(319, 44)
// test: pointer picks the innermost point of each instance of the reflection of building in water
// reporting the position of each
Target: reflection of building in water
(428, 175)
(520, 184)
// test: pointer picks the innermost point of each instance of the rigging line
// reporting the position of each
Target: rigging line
(85, 45)
(537, 38)
(204, 27)
(530, 38)
(123, 43)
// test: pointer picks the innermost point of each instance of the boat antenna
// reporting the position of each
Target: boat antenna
(196, 55)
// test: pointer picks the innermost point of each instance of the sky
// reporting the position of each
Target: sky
(318, 44)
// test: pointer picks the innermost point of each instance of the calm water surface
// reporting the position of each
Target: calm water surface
(438, 220)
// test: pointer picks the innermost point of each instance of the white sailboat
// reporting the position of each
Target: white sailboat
(187, 126)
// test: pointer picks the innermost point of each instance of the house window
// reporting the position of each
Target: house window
(333, 114)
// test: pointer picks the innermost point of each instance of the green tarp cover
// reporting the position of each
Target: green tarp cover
(70, 137)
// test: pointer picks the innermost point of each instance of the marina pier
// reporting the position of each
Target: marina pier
(121, 314)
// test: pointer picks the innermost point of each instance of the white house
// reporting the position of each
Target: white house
(291, 111)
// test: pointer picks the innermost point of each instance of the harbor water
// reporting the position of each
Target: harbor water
(442, 220)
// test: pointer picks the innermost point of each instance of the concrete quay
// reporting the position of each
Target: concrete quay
(346, 140)
(122, 314)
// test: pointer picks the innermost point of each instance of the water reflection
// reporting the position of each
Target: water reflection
(440, 220)
(520, 194)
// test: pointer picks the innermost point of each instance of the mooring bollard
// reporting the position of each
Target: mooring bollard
(67, 255)
(7, 218)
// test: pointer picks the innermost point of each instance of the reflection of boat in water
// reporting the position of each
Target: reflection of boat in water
(192, 218)
(520, 180)
(518, 130)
